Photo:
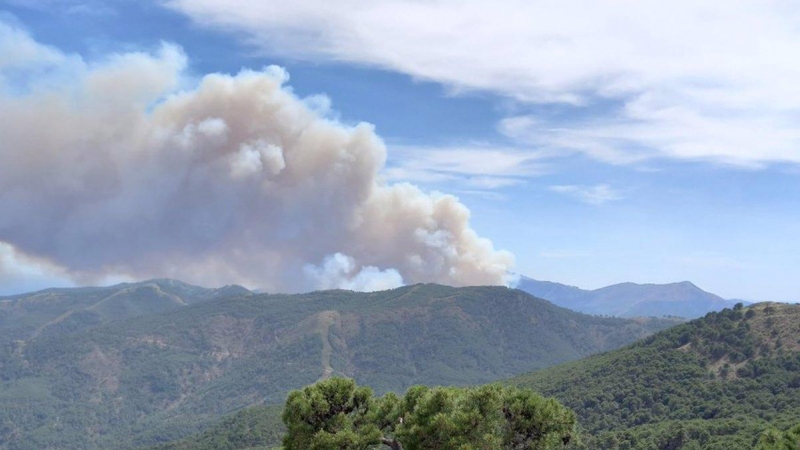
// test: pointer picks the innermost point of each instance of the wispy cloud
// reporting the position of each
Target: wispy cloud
(19, 51)
(593, 195)
(666, 130)
(475, 167)
(81, 7)
(690, 80)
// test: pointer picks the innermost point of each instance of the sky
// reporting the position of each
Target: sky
(587, 143)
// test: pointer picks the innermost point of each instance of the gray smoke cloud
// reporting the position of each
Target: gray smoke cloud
(128, 167)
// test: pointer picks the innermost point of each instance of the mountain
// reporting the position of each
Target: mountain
(713, 383)
(682, 299)
(136, 378)
(65, 310)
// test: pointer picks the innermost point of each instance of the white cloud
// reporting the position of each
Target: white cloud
(668, 131)
(19, 51)
(714, 80)
(477, 167)
(593, 195)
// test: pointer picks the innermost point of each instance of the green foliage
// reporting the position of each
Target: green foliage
(713, 383)
(777, 440)
(336, 414)
(329, 415)
(254, 428)
(132, 365)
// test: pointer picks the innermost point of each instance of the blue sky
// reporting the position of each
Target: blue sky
(598, 145)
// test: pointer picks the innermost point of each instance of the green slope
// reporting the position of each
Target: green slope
(713, 383)
(58, 311)
(158, 377)
(253, 428)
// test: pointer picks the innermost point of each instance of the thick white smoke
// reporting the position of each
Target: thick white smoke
(108, 169)
(340, 271)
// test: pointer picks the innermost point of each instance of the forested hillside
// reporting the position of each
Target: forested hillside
(140, 379)
(253, 428)
(53, 312)
(713, 383)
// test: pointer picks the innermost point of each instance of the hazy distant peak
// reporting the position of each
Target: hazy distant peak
(683, 298)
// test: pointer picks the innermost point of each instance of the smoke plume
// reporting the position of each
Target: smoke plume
(127, 167)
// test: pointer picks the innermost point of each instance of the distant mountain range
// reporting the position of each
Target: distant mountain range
(682, 299)
(142, 363)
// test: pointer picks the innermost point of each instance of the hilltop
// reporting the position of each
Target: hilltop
(682, 299)
(54, 311)
(713, 383)
(136, 378)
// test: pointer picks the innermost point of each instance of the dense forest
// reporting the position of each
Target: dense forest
(730, 380)
(713, 383)
(91, 368)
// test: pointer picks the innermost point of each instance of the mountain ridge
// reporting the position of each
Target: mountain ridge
(627, 299)
(68, 310)
(156, 377)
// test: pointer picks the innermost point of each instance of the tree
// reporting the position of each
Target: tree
(336, 414)
(330, 415)
(776, 440)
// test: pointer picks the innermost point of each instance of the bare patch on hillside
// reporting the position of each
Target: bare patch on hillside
(104, 368)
